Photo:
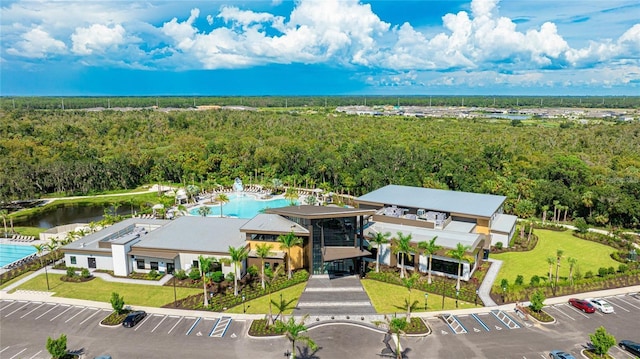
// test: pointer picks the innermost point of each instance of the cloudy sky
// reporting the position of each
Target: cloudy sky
(320, 47)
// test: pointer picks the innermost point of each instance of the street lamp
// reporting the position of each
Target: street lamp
(457, 294)
(426, 303)
(476, 299)
(504, 290)
(175, 296)
(443, 289)
(244, 308)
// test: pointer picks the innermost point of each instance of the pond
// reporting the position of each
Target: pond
(71, 214)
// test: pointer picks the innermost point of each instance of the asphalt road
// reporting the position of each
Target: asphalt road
(25, 326)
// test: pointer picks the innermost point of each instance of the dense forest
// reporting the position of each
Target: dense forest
(50, 103)
(585, 169)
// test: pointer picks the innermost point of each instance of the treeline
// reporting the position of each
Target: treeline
(588, 170)
(69, 103)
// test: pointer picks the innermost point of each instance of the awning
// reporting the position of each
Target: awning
(153, 254)
(272, 254)
(333, 253)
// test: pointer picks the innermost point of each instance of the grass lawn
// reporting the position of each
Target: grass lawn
(100, 290)
(261, 305)
(590, 256)
(390, 298)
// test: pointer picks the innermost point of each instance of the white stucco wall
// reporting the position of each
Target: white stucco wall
(499, 237)
(102, 261)
(120, 262)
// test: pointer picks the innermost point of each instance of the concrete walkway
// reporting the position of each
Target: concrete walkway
(485, 288)
(329, 295)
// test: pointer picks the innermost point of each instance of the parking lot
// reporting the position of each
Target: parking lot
(66, 318)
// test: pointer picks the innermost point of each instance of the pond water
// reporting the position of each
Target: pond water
(66, 215)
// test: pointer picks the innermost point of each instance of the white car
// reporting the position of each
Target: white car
(601, 305)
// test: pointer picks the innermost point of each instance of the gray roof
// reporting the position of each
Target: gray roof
(446, 239)
(503, 223)
(307, 211)
(475, 204)
(272, 223)
(111, 234)
(197, 234)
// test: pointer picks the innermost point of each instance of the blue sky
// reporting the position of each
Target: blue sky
(320, 47)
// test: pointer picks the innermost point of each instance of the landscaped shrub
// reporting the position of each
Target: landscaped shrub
(499, 245)
(623, 268)
(71, 272)
(252, 271)
(504, 283)
(217, 277)
(588, 275)
(519, 280)
(194, 273)
(602, 271)
(537, 301)
(180, 274)
(85, 273)
(229, 277)
(153, 274)
(535, 280)
(581, 225)
(611, 270)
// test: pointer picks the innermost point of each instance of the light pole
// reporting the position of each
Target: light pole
(175, 295)
(504, 290)
(46, 275)
(244, 308)
(426, 303)
(443, 288)
(476, 299)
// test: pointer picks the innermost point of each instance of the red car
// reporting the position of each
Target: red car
(583, 305)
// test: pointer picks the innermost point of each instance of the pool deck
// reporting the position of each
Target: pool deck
(27, 244)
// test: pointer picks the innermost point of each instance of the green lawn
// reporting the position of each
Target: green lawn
(100, 290)
(390, 298)
(261, 305)
(590, 256)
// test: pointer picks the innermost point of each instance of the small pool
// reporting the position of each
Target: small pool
(245, 206)
(10, 253)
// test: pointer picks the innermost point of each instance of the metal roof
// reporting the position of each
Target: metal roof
(306, 211)
(273, 223)
(475, 204)
(503, 223)
(197, 234)
(92, 240)
(446, 239)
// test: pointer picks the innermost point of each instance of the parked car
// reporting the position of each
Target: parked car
(583, 305)
(601, 305)
(133, 318)
(630, 346)
(557, 354)
(106, 356)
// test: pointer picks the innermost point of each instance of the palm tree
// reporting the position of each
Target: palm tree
(238, 255)
(4, 213)
(222, 198)
(287, 242)
(556, 217)
(293, 330)
(545, 208)
(409, 283)
(559, 253)
(40, 249)
(291, 195)
(572, 264)
(587, 201)
(397, 326)
(282, 306)
(272, 275)
(402, 245)
(458, 254)
(379, 239)
(205, 264)
(204, 211)
(550, 262)
(263, 251)
(429, 248)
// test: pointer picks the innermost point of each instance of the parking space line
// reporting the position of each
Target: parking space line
(629, 303)
(578, 311)
(193, 326)
(66, 310)
(142, 322)
(175, 325)
(52, 308)
(563, 313)
(12, 303)
(75, 315)
(475, 316)
(17, 310)
(18, 353)
(4, 349)
(626, 353)
(36, 355)
(32, 310)
(154, 329)
(97, 311)
(619, 306)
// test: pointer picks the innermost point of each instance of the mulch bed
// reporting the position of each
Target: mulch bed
(76, 279)
(259, 329)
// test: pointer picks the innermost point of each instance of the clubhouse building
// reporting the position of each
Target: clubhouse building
(334, 239)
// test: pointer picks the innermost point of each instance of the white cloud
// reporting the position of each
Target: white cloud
(37, 43)
(96, 37)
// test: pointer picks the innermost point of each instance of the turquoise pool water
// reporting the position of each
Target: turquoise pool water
(10, 253)
(245, 206)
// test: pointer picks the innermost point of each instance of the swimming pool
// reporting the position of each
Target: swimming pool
(245, 206)
(10, 253)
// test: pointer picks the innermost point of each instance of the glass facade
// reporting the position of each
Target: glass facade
(330, 232)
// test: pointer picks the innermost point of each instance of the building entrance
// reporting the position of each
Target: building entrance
(340, 267)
